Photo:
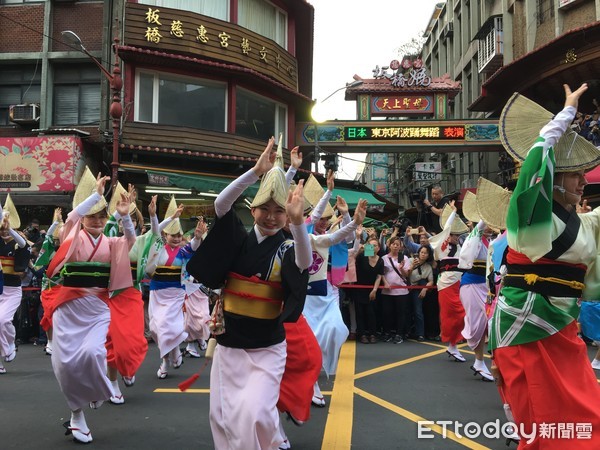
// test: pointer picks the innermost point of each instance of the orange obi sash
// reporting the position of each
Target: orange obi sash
(252, 297)
(8, 265)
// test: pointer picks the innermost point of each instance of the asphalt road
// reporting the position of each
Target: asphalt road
(380, 394)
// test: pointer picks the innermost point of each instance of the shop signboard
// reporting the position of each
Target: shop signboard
(40, 164)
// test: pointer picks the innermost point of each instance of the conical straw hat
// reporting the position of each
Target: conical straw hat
(273, 185)
(85, 188)
(469, 207)
(307, 204)
(520, 124)
(116, 198)
(492, 203)
(174, 227)
(10, 211)
(312, 190)
(313, 193)
(458, 226)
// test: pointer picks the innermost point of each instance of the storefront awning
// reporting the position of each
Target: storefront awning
(215, 184)
(201, 183)
(352, 197)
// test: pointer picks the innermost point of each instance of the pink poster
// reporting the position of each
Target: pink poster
(44, 164)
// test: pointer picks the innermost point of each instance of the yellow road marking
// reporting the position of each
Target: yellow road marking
(415, 418)
(177, 391)
(338, 429)
(397, 364)
(199, 391)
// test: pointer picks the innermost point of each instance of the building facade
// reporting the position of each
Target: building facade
(204, 85)
(495, 48)
(499, 47)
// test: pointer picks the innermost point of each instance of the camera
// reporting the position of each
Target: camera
(416, 197)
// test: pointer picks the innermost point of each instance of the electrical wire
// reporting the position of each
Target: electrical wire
(37, 61)
(388, 166)
(49, 37)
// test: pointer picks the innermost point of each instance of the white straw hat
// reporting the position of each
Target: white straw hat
(519, 127)
(458, 226)
(273, 185)
(85, 188)
(174, 227)
(469, 207)
(10, 210)
(492, 203)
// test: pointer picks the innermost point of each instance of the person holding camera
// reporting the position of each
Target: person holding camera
(594, 134)
(395, 301)
(435, 207)
(32, 232)
(420, 273)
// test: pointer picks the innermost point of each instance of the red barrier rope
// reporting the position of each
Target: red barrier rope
(343, 286)
(366, 286)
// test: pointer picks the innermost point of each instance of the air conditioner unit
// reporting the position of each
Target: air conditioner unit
(448, 30)
(24, 114)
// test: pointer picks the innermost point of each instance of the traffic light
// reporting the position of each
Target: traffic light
(330, 161)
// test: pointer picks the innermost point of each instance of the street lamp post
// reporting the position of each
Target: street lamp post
(317, 117)
(116, 109)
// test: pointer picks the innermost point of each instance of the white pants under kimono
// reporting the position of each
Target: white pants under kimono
(165, 310)
(473, 297)
(197, 316)
(9, 303)
(244, 389)
(79, 354)
(322, 312)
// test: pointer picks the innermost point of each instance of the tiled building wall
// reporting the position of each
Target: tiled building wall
(13, 37)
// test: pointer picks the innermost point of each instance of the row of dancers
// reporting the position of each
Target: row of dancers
(276, 318)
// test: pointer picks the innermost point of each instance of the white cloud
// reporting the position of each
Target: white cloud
(354, 36)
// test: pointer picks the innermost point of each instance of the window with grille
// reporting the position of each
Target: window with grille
(77, 96)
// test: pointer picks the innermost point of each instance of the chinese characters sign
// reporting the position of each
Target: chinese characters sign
(428, 171)
(46, 164)
(405, 104)
(409, 73)
(177, 31)
(410, 135)
(379, 133)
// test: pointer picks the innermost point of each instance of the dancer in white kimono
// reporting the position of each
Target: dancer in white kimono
(91, 265)
(167, 291)
(14, 255)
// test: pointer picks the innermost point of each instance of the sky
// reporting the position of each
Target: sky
(352, 37)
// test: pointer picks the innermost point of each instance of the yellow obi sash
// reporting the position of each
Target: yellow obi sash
(167, 274)
(8, 265)
(252, 297)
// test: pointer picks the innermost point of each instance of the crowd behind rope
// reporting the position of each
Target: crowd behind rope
(416, 313)
(417, 292)
(290, 283)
